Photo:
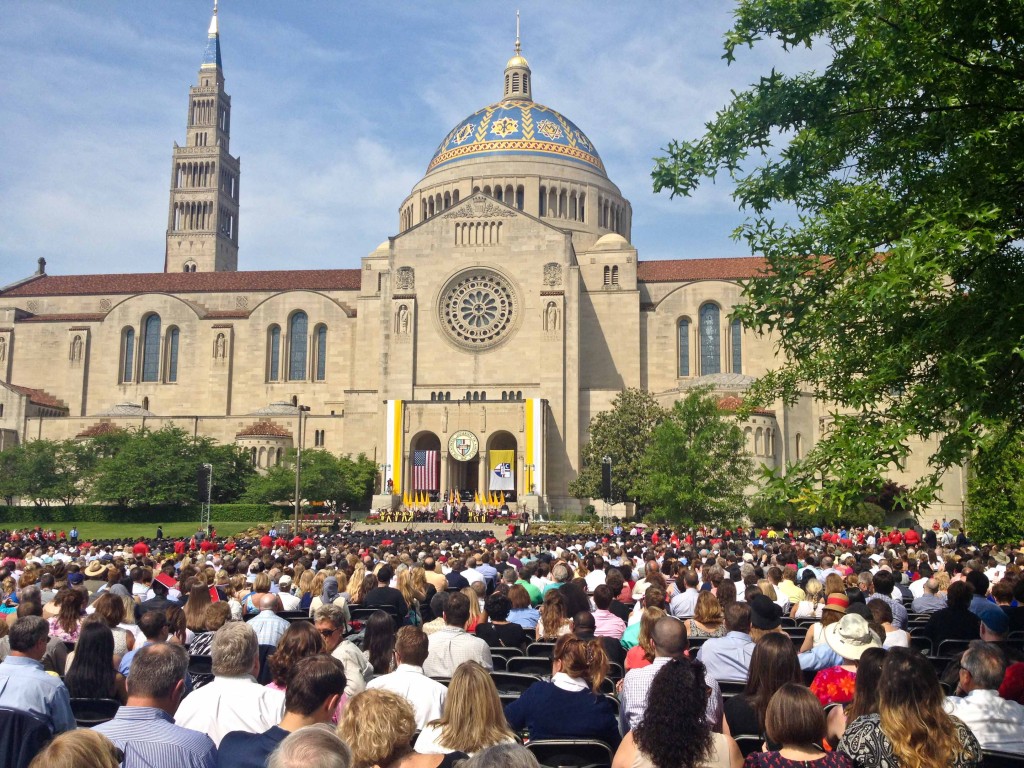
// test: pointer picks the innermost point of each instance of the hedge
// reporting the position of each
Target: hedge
(95, 513)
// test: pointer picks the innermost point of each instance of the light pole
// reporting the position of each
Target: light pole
(298, 467)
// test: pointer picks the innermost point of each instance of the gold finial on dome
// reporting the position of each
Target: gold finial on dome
(517, 73)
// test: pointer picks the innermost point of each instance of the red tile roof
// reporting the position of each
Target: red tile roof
(264, 429)
(682, 270)
(100, 428)
(190, 282)
(39, 397)
(731, 404)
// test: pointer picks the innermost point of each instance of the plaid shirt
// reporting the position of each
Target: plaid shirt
(269, 627)
(637, 684)
(451, 646)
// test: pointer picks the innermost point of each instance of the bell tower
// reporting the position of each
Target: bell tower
(202, 219)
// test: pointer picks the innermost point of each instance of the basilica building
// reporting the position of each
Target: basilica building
(470, 350)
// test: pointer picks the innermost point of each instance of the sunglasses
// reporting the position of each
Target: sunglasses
(328, 632)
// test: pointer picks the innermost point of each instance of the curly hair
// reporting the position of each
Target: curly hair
(378, 726)
(300, 640)
(675, 732)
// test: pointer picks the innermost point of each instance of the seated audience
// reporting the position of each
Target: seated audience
(472, 717)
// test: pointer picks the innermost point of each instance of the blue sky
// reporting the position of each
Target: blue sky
(336, 109)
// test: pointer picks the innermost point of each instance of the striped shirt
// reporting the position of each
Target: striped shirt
(150, 739)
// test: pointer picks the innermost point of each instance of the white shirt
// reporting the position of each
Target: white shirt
(595, 579)
(231, 704)
(289, 602)
(357, 668)
(997, 723)
(473, 576)
(426, 696)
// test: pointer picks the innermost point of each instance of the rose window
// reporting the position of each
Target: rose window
(477, 309)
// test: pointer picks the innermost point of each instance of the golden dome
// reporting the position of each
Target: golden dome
(517, 61)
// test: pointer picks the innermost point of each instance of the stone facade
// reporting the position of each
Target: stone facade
(510, 305)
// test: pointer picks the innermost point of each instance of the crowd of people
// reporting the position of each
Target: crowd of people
(398, 647)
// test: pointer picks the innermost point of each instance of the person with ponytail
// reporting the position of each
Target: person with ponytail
(571, 705)
(911, 729)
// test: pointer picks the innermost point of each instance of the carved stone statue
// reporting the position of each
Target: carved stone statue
(551, 317)
(76, 349)
(402, 321)
(220, 347)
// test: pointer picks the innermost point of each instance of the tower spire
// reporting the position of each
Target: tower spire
(518, 47)
(517, 73)
(211, 57)
(202, 219)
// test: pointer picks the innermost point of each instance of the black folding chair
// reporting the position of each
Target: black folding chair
(22, 735)
(511, 682)
(530, 665)
(540, 649)
(90, 712)
(748, 743)
(571, 753)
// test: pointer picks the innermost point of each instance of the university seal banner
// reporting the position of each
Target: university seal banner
(463, 445)
(502, 463)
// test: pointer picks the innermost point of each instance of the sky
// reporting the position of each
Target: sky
(337, 107)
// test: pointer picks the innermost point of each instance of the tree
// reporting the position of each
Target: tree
(995, 489)
(158, 468)
(325, 477)
(696, 468)
(621, 433)
(896, 294)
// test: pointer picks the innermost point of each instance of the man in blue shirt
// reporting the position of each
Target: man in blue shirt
(23, 683)
(314, 690)
(144, 728)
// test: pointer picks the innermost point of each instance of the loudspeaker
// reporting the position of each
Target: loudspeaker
(203, 483)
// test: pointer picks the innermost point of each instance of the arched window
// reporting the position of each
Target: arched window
(683, 346)
(737, 346)
(321, 353)
(127, 355)
(172, 354)
(298, 331)
(151, 348)
(758, 435)
(274, 353)
(615, 275)
(710, 340)
(607, 275)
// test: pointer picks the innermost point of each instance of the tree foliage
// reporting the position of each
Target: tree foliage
(324, 477)
(621, 433)
(696, 468)
(995, 489)
(158, 468)
(46, 471)
(897, 293)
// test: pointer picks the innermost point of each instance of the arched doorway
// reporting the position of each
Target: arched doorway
(425, 464)
(502, 470)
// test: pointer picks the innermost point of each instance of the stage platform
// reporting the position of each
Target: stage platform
(496, 529)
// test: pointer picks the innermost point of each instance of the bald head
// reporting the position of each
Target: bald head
(269, 602)
(669, 637)
(583, 623)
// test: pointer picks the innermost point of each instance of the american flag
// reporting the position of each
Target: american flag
(426, 470)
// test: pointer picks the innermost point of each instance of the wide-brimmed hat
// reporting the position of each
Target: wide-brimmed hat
(851, 636)
(764, 612)
(837, 602)
(94, 569)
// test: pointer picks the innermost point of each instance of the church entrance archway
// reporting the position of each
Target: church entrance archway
(425, 459)
(502, 469)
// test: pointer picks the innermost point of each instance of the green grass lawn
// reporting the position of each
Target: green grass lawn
(134, 530)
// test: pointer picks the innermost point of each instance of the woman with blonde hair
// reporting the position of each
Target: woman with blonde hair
(81, 748)
(355, 581)
(412, 599)
(472, 718)
(708, 617)
(571, 705)
(642, 654)
(237, 590)
(810, 606)
(378, 725)
(476, 612)
(553, 622)
(305, 589)
(911, 728)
